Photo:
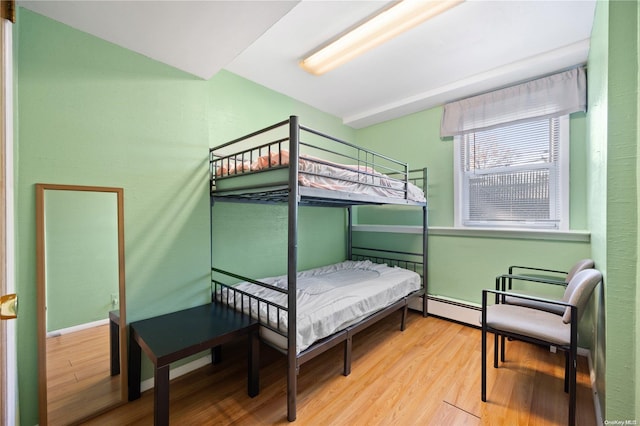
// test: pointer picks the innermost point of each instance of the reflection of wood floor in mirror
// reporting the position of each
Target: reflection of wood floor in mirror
(78, 375)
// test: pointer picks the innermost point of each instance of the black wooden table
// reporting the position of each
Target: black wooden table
(171, 337)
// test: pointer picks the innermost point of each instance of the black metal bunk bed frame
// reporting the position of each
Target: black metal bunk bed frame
(294, 195)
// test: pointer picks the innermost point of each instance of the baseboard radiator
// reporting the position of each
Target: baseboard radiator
(458, 311)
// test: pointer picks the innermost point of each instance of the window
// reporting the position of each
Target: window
(514, 176)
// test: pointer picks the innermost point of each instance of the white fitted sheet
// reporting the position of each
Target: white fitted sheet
(331, 298)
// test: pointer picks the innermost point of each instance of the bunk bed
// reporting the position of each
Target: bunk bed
(288, 163)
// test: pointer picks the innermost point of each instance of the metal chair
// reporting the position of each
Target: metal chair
(539, 276)
(540, 326)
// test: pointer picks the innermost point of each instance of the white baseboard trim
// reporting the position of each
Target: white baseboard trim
(179, 371)
(80, 327)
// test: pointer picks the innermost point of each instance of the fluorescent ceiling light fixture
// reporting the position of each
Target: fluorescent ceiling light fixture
(389, 23)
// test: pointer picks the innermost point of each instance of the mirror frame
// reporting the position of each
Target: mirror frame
(41, 291)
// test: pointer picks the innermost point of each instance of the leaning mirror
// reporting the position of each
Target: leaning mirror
(81, 301)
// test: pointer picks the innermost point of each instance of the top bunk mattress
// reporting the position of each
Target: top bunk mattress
(330, 298)
(319, 175)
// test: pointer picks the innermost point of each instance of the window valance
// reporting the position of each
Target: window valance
(552, 96)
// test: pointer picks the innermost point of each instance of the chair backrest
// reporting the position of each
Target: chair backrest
(579, 291)
(580, 265)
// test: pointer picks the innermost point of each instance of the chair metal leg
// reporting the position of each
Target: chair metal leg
(484, 349)
(572, 391)
(573, 361)
(502, 348)
(484, 363)
(495, 349)
(567, 372)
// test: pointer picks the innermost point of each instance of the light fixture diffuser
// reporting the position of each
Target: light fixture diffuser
(384, 26)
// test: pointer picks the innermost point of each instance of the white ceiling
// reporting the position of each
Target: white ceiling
(474, 47)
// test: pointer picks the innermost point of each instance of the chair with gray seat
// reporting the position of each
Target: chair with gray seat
(540, 326)
(552, 277)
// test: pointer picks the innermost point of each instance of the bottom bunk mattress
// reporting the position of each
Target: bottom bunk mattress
(329, 299)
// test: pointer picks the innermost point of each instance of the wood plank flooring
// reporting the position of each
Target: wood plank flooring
(79, 382)
(427, 375)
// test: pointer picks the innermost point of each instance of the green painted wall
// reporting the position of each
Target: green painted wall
(613, 202)
(637, 305)
(81, 251)
(242, 106)
(597, 165)
(416, 140)
(616, 92)
(251, 240)
(92, 113)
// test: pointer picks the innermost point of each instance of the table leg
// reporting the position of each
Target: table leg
(161, 396)
(114, 336)
(254, 364)
(216, 354)
(135, 360)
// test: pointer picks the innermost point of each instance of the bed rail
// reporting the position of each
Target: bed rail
(418, 177)
(324, 157)
(407, 260)
(268, 314)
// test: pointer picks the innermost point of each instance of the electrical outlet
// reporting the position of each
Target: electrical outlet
(114, 300)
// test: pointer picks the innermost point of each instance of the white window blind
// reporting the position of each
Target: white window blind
(511, 175)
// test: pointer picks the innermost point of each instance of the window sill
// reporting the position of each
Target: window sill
(519, 234)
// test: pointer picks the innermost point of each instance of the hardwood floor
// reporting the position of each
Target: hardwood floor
(78, 375)
(427, 375)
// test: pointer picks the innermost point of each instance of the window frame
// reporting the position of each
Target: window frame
(563, 164)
